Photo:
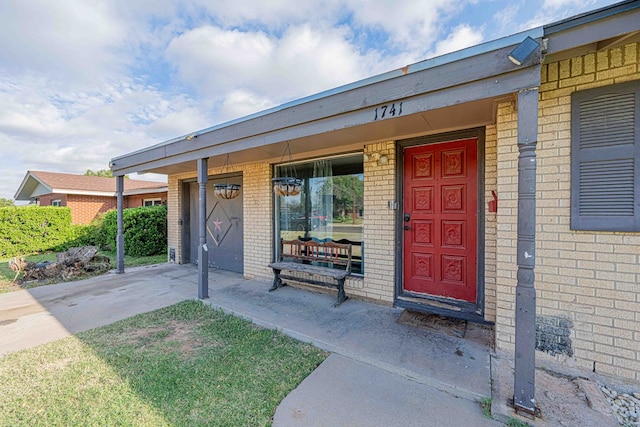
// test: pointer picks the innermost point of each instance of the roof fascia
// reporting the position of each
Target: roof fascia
(84, 192)
(592, 31)
(139, 191)
(492, 87)
(30, 177)
(133, 192)
(478, 64)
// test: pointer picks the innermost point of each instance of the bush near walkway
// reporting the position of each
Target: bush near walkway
(28, 230)
(145, 230)
(32, 229)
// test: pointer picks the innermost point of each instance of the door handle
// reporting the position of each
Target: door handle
(407, 217)
(407, 227)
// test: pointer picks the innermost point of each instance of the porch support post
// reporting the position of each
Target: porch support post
(203, 251)
(120, 235)
(525, 363)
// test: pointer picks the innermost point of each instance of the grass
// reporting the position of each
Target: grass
(485, 404)
(7, 275)
(514, 422)
(182, 365)
(130, 261)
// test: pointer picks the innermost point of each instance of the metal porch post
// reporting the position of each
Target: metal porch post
(525, 361)
(120, 235)
(203, 251)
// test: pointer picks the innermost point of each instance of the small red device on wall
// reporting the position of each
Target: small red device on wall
(493, 204)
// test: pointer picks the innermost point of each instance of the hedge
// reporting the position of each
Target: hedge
(145, 230)
(30, 229)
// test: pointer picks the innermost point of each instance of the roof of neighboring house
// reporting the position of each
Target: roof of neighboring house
(38, 183)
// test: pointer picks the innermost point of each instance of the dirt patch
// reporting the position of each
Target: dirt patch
(561, 400)
(58, 364)
(434, 322)
(564, 403)
(175, 331)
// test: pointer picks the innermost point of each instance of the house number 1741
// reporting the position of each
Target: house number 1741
(391, 110)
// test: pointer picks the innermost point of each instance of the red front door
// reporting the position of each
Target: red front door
(441, 219)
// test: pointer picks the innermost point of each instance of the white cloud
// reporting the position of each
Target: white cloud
(411, 24)
(460, 37)
(225, 65)
(559, 4)
(240, 103)
(73, 39)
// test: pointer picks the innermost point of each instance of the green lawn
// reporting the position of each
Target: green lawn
(7, 276)
(185, 365)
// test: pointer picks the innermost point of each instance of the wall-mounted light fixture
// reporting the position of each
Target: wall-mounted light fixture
(190, 136)
(523, 50)
(381, 159)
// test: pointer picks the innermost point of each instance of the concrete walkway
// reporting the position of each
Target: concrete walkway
(380, 373)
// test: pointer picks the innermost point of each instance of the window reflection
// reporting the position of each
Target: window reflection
(330, 205)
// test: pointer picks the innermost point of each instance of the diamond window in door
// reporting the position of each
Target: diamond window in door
(218, 224)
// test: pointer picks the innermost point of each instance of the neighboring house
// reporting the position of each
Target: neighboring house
(490, 188)
(87, 196)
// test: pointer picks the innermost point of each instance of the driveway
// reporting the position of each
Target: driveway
(39, 315)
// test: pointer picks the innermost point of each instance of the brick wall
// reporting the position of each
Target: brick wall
(506, 220)
(258, 217)
(47, 199)
(490, 228)
(590, 279)
(136, 201)
(85, 209)
(379, 225)
(174, 213)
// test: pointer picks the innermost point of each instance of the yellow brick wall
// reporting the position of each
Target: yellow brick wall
(174, 210)
(490, 231)
(258, 220)
(591, 278)
(506, 225)
(379, 224)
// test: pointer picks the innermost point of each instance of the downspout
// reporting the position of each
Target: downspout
(120, 235)
(525, 363)
(203, 251)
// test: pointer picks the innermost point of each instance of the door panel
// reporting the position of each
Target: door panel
(224, 228)
(440, 228)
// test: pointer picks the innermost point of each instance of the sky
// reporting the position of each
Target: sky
(83, 81)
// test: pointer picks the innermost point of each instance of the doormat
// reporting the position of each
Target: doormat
(434, 322)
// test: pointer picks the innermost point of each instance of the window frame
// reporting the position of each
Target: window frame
(358, 263)
(56, 202)
(593, 160)
(154, 202)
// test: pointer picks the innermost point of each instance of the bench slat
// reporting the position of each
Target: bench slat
(310, 269)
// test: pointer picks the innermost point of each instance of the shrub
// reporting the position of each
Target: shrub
(81, 235)
(145, 230)
(30, 229)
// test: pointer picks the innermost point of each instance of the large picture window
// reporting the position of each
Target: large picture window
(330, 205)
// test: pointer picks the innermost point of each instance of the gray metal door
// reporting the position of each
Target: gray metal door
(224, 227)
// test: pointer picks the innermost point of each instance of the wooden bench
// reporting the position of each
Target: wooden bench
(316, 259)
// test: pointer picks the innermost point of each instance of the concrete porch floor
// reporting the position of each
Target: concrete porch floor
(380, 372)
